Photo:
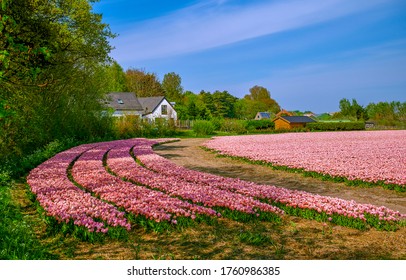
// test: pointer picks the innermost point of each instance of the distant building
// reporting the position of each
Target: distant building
(292, 122)
(124, 103)
(310, 114)
(157, 107)
(262, 116)
(127, 103)
(283, 112)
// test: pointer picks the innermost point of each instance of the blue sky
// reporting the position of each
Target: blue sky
(308, 53)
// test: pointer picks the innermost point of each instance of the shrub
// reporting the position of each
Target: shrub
(217, 122)
(336, 126)
(261, 124)
(234, 126)
(202, 128)
(133, 126)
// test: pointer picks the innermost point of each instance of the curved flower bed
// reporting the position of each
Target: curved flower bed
(167, 192)
(90, 173)
(287, 199)
(62, 200)
(370, 156)
(121, 163)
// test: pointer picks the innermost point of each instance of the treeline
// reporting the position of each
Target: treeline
(53, 57)
(382, 113)
(191, 106)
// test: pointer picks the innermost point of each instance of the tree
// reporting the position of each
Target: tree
(172, 86)
(144, 84)
(352, 110)
(223, 103)
(51, 55)
(259, 100)
(115, 77)
(387, 113)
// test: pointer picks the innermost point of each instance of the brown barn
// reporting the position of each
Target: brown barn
(291, 122)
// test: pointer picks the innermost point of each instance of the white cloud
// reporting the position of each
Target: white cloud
(210, 24)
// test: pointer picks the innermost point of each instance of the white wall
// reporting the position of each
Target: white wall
(171, 113)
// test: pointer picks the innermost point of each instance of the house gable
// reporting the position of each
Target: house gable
(157, 107)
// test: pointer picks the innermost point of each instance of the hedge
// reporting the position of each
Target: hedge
(336, 126)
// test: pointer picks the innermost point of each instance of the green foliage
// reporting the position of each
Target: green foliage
(52, 74)
(17, 241)
(259, 100)
(203, 128)
(335, 126)
(19, 165)
(388, 113)
(234, 126)
(353, 110)
(115, 78)
(132, 126)
(260, 124)
(143, 83)
(172, 86)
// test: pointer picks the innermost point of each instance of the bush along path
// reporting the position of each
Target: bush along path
(108, 187)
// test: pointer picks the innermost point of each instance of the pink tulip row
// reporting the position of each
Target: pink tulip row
(64, 201)
(370, 156)
(296, 199)
(89, 172)
(121, 163)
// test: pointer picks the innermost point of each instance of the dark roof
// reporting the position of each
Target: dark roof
(149, 104)
(264, 115)
(297, 119)
(123, 101)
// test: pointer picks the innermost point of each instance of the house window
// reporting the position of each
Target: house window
(120, 101)
(164, 109)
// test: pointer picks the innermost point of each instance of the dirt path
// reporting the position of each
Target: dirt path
(187, 153)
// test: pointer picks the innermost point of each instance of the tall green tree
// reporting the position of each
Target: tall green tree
(259, 100)
(115, 77)
(143, 83)
(352, 109)
(172, 86)
(223, 103)
(50, 59)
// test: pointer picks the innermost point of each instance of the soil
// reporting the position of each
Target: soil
(188, 153)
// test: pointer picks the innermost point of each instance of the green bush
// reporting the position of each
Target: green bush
(133, 126)
(202, 128)
(335, 126)
(217, 122)
(260, 124)
(234, 126)
(18, 165)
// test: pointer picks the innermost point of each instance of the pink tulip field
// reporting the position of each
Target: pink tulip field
(370, 156)
(62, 200)
(119, 184)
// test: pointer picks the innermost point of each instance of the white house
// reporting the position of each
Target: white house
(157, 107)
(123, 103)
(127, 103)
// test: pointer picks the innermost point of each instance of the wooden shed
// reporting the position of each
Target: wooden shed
(291, 122)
